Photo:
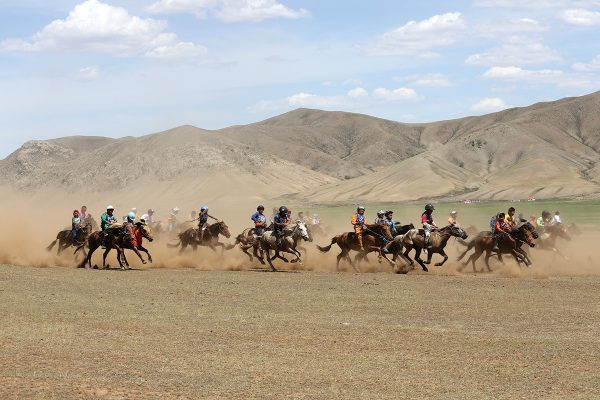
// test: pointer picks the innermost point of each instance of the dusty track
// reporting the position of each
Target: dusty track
(68, 333)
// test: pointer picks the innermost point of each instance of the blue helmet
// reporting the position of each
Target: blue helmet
(131, 215)
(204, 208)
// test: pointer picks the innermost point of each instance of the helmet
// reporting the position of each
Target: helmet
(75, 211)
(511, 209)
(360, 208)
(260, 207)
(176, 209)
(380, 212)
(429, 207)
(204, 208)
(389, 212)
(144, 217)
(545, 213)
(131, 215)
(150, 211)
(501, 215)
(109, 208)
(453, 212)
(283, 210)
(134, 209)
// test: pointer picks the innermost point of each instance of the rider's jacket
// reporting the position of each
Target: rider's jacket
(427, 218)
(512, 221)
(501, 226)
(358, 220)
(260, 220)
(279, 219)
(106, 220)
(379, 221)
(391, 224)
(202, 219)
(75, 222)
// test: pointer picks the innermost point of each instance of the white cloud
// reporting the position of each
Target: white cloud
(357, 97)
(519, 74)
(229, 10)
(419, 37)
(90, 73)
(501, 27)
(518, 51)
(586, 67)
(489, 104)
(433, 80)
(580, 17)
(99, 27)
(536, 4)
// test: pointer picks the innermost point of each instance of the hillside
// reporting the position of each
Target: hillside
(547, 149)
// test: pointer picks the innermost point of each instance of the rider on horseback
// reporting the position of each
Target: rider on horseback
(511, 219)
(75, 225)
(380, 220)
(452, 218)
(428, 223)
(501, 230)
(389, 221)
(260, 220)
(106, 221)
(280, 221)
(358, 221)
(128, 228)
(203, 221)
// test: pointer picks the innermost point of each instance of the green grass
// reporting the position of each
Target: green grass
(478, 214)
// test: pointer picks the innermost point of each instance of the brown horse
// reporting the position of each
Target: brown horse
(415, 239)
(374, 238)
(510, 244)
(140, 231)
(65, 239)
(249, 240)
(190, 237)
(551, 234)
(109, 239)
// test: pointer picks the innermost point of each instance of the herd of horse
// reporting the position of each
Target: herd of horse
(377, 239)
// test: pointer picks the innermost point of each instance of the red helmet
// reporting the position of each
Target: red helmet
(75, 211)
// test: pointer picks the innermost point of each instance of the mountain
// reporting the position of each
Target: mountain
(548, 149)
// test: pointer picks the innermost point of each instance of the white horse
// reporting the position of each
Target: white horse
(291, 235)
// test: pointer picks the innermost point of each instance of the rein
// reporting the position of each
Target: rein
(385, 240)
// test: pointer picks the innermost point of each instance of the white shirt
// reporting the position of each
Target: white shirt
(557, 219)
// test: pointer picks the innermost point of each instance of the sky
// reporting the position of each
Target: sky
(119, 68)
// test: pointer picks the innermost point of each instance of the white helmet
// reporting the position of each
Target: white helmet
(144, 217)
(453, 212)
(109, 207)
(380, 212)
(134, 209)
(176, 209)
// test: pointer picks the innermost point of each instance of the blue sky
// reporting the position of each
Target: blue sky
(117, 68)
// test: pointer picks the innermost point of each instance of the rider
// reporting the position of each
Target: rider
(545, 220)
(134, 211)
(380, 220)
(389, 221)
(289, 214)
(358, 221)
(149, 215)
(128, 227)
(452, 218)
(75, 224)
(511, 220)
(260, 220)
(502, 229)
(107, 219)
(203, 221)
(83, 214)
(173, 218)
(428, 223)
(557, 217)
(280, 221)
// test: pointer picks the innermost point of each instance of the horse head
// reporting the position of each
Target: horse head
(223, 229)
(145, 230)
(457, 231)
(530, 228)
(528, 237)
(302, 229)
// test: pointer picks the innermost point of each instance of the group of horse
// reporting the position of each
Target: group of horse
(393, 247)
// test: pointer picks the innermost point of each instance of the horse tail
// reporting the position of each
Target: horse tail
(462, 241)
(469, 245)
(51, 246)
(327, 248)
(174, 245)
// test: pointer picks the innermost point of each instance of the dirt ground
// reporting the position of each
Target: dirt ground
(185, 333)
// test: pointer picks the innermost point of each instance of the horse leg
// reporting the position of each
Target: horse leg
(142, 248)
(351, 263)
(429, 257)
(488, 254)
(108, 248)
(418, 259)
(339, 258)
(269, 260)
(135, 250)
(245, 249)
(411, 262)
(443, 253)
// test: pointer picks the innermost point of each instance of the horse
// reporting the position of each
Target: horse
(189, 237)
(548, 238)
(511, 244)
(374, 238)
(65, 238)
(248, 239)
(291, 235)
(109, 239)
(415, 239)
(140, 231)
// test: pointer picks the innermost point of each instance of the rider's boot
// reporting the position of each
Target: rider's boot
(495, 248)
(425, 245)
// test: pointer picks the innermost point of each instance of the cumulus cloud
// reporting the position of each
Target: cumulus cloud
(489, 104)
(229, 10)
(580, 17)
(419, 37)
(99, 27)
(433, 80)
(357, 97)
(519, 74)
(593, 65)
(518, 51)
(502, 27)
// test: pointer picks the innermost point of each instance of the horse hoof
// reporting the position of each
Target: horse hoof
(143, 262)
(438, 264)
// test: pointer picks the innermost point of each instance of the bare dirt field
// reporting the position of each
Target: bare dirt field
(164, 333)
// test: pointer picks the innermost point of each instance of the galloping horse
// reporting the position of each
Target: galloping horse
(291, 236)
(415, 239)
(374, 238)
(511, 244)
(140, 231)
(548, 239)
(189, 237)
(248, 239)
(97, 239)
(65, 239)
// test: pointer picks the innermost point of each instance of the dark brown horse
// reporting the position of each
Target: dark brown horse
(109, 239)
(415, 239)
(511, 244)
(125, 242)
(65, 238)
(374, 238)
(190, 237)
